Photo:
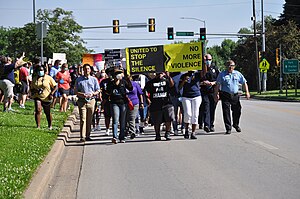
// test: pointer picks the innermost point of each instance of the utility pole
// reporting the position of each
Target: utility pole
(264, 75)
(280, 70)
(256, 49)
(33, 7)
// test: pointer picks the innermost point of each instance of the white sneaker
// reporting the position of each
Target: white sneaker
(98, 128)
(22, 106)
(175, 132)
(107, 132)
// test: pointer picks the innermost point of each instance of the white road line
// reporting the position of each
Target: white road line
(268, 146)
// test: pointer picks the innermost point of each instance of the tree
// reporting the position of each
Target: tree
(291, 12)
(62, 35)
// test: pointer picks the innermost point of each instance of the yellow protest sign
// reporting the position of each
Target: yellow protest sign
(183, 57)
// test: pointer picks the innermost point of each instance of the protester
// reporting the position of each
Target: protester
(42, 90)
(53, 72)
(118, 101)
(7, 80)
(227, 90)
(64, 79)
(105, 104)
(191, 100)
(86, 88)
(161, 109)
(136, 97)
(24, 79)
(208, 84)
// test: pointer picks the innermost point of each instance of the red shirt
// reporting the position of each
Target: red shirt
(66, 80)
(23, 74)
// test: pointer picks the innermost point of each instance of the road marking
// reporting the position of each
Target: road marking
(268, 146)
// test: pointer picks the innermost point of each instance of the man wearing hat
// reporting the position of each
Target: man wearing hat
(7, 80)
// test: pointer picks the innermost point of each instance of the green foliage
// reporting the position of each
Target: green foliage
(62, 37)
(23, 147)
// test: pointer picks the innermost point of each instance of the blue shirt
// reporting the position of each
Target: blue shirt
(87, 85)
(229, 82)
(135, 93)
(53, 72)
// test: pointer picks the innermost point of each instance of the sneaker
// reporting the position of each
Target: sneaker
(82, 139)
(122, 141)
(200, 126)
(22, 106)
(157, 138)
(10, 110)
(238, 129)
(175, 132)
(114, 140)
(98, 128)
(206, 129)
(132, 136)
(88, 139)
(212, 129)
(228, 132)
(186, 135)
(167, 136)
(107, 132)
(193, 136)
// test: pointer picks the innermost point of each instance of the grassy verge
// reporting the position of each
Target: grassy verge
(275, 95)
(23, 147)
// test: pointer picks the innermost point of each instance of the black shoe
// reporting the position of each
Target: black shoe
(238, 129)
(186, 135)
(212, 129)
(193, 136)
(167, 136)
(206, 129)
(200, 126)
(157, 138)
(228, 132)
(82, 139)
(132, 136)
(88, 139)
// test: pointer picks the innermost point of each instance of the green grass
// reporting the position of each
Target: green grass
(275, 95)
(23, 147)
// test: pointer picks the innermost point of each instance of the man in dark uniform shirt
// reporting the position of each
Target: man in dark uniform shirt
(208, 85)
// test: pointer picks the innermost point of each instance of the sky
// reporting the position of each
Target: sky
(220, 16)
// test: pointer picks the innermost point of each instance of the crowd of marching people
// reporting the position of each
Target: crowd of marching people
(178, 102)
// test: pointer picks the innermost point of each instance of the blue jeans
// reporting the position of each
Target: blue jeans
(118, 112)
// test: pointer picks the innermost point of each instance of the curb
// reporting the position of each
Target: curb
(41, 178)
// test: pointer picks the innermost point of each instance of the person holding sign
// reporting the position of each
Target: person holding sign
(227, 90)
(191, 100)
(116, 89)
(161, 108)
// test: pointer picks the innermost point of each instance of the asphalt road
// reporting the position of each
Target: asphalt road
(261, 162)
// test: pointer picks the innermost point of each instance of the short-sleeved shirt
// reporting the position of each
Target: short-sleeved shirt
(229, 82)
(53, 71)
(86, 85)
(65, 77)
(159, 90)
(45, 83)
(135, 93)
(23, 74)
(211, 76)
(103, 87)
(8, 73)
(117, 93)
(191, 89)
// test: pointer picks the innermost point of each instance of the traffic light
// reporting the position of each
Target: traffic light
(170, 33)
(116, 28)
(151, 24)
(202, 34)
(277, 57)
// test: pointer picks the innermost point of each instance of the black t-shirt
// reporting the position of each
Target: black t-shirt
(117, 93)
(159, 93)
(103, 88)
(211, 75)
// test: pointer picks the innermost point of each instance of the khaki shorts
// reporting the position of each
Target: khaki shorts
(165, 115)
(7, 87)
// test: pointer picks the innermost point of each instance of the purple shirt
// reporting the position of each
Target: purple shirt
(134, 94)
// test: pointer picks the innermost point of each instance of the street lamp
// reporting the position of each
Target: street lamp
(203, 21)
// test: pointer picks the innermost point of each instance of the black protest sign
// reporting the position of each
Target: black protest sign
(149, 59)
